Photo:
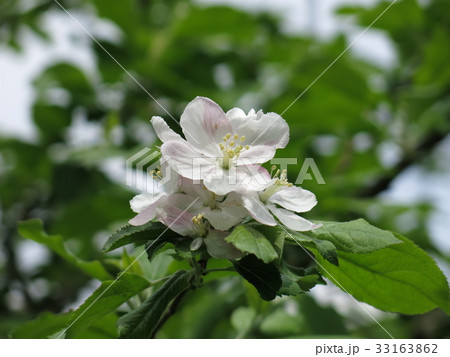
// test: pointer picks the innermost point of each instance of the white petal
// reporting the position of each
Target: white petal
(163, 130)
(236, 116)
(258, 154)
(140, 202)
(218, 248)
(294, 199)
(257, 209)
(185, 160)
(291, 220)
(260, 129)
(204, 125)
(221, 181)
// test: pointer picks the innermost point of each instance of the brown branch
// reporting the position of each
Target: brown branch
(427, 145)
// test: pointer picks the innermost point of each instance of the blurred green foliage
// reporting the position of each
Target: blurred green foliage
(177, 50)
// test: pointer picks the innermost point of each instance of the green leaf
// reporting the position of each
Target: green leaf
(138, 235)
(141, 322)
(249, 240)
(399, 278)
(356, 236)
(33, 229)
(264, 277)
(45, 325)
(105, 327)
(106, 299)
(275, 235)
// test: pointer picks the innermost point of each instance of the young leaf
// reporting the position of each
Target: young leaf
(264, 277)
(141, 322)
(399, 278)
(33, 229)
(138, 235)
(249, 240)
(107, 298)
(356, 236)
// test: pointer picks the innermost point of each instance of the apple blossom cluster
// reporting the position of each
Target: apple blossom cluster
(213, 178)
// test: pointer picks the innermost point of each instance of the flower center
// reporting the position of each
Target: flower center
(280, 183)
(156, 174)
(231, 150)
(201, 226)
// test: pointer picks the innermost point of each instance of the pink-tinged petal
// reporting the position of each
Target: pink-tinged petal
(218, 248)
(258, 154)
(184, 202)
(185, 160)
(145, 205)
(257, 209)
(204, 125)
(175, 213)
(294, 199)
(144, 216)
(199, 190)
(163, 130)
(268, 129)
(291, 220)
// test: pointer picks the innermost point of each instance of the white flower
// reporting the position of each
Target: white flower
(221, 149)
(263, 205)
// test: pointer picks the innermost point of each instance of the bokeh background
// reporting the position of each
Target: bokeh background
(376, 123)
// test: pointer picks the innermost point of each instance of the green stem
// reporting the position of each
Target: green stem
(160, 280)
(207, 271)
